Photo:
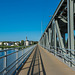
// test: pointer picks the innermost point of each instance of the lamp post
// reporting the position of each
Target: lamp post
(41, 27)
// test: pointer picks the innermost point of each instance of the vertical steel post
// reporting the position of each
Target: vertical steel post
(22, 56)
(55, 38)
(60, 37)
(49, 30)
(70, 15)
(63, 35)
(51, 35)
(46, 39)
(43, 41)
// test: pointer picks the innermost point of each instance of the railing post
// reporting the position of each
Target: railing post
(17, 60)
(22, 56)
(5, 62)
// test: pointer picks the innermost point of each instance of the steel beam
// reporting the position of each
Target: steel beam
(63, 35)
(59, 35)
(46, 34)
(44, 40)
(49, 31)
(52, 39)
(70, 15)
(55, 37)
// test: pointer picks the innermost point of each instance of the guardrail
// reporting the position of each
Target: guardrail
(13, 59)
(66, 54)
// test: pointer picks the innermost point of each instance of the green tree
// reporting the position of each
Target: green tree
(19, 44)
(22, 42)
(34, 42)
(2, 43)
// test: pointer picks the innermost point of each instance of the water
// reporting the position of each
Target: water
(12, 58)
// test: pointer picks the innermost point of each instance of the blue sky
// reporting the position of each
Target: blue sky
(21, 18)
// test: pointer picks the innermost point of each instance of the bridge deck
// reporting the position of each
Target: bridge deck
(41, 62)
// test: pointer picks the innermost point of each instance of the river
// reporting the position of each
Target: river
(12, 58)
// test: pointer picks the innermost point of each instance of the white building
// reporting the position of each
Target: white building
(26, 42)
(9, 44)
(31, 42)
(0, 43)
(5, 43)
(17, 43)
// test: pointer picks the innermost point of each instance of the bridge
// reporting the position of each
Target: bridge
(51, 56)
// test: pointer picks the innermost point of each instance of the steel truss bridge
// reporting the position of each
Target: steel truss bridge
(62, 22)
(51, 56)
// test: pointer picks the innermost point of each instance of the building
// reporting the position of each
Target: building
(9, 43)
(31, 42)
(17, 43)
(5, 43)
(27, 42)
(0, 43)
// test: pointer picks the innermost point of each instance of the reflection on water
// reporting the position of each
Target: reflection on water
(10, 59)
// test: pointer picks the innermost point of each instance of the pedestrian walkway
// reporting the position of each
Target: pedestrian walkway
(41, 62)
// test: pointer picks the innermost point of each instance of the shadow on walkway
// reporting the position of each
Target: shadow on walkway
(36, 62)
(36, 66)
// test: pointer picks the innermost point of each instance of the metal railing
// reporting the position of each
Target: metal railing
(66, 54)
(12, 59)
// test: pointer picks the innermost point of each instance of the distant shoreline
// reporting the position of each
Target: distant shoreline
(9, 46)
(14, 46)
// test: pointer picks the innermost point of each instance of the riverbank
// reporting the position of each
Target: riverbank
(10, 46)
(14, 46)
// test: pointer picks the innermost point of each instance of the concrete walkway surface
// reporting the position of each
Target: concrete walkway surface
(41, 62)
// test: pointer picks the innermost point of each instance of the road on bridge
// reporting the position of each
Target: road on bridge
(41, 62)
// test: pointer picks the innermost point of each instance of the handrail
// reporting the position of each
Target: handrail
(18, 62)
(15, 62)
(64, 56)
